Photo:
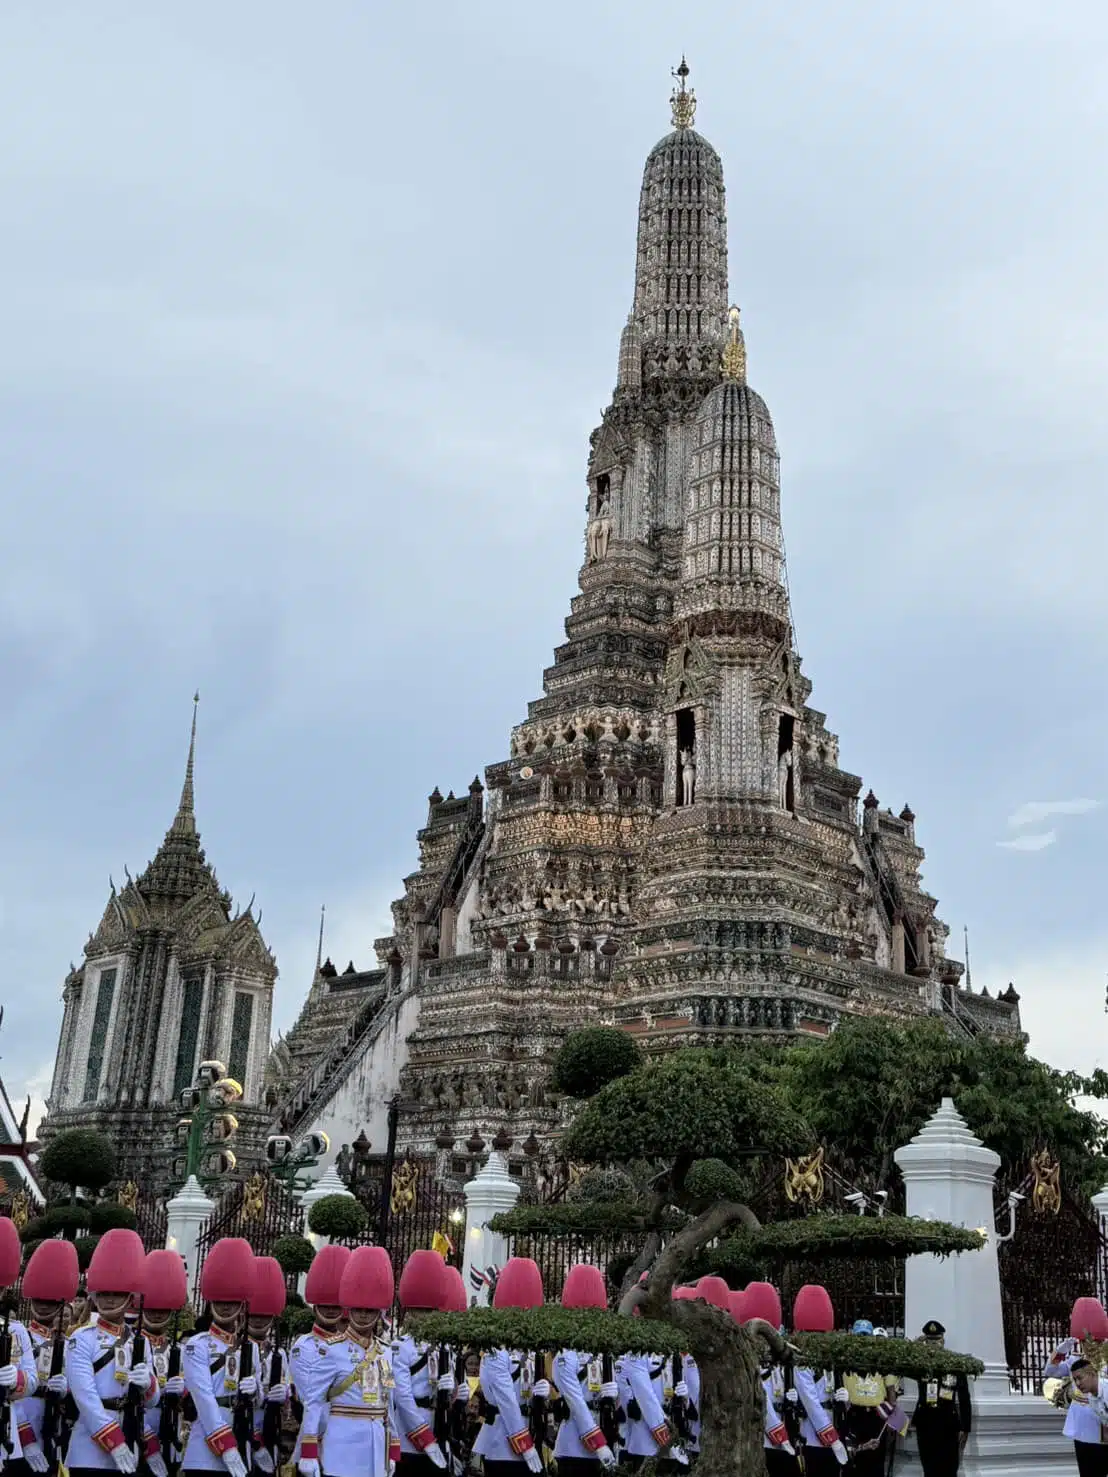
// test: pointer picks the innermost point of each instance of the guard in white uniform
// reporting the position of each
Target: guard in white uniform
(504, 1440)
(211, 1361)
(99, 1363)
(352, 1381)
(423, 1381)
(582, 1448)
(49, 1284)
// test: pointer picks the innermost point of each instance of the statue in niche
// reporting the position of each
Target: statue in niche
(600, 528)
(688, 774)
(784, 765)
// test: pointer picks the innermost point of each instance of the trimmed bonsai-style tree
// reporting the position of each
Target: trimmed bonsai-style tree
(338, 1216)
(81, 1158)
(294, 1254)
(700, 1117)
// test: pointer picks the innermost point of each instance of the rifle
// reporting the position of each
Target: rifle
(243, 1421)
(459, 1411)
(679, 1406)
(169, 1425)
(5, 1394)
(271, 1417)
(443, 1402)
(134, 1402)
(538, 1406)
(790, 1413)
(53, 1426)
(608, 1419)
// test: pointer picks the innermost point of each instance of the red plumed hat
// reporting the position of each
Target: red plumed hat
(736, 1304)
(1089, 1320)
(11, 1252)
(762, 1300)
(812, 1310)
(423, 1281)
(715, 1291)
(52, 1274)
(227, 1275)
(268, 1295)
(117, 1263)
(367, 1279)
(519, 1284)
(584, 1287)
(324, 1275)
(454, 1293)
(164, 1286)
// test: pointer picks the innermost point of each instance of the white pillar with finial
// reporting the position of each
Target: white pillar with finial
(491, 1192)
(187, 1214)
(950, 1175)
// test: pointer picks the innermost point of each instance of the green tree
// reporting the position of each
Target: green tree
(871, 1086)
(699, 1117)
(81, 1158)
(337, 1215)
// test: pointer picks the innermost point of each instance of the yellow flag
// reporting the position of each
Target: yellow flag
(442, 1243)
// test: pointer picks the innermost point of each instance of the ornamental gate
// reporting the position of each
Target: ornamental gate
(418, 1212)
(260, 1210)
(1057, 1254)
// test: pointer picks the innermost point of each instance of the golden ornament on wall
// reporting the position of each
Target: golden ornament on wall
(21, 1209)
(804, 1178)
(404, 1178)
(1046, 1184)
(128, 1196)
(253, 1198)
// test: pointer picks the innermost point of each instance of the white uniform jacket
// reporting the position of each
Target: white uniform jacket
(353, 1382)
(578, 1378)
(98, 1368)
(507, 1436)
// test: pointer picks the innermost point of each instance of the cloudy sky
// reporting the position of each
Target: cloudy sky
(308, 314)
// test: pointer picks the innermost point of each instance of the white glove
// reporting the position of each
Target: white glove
(248, 1385)
(842, 1456)
(434, 1451)
(140, 1376)
(533, 1459)
(234, 1462)
(792, 1397)
(606, 1456)
(842, 1395)
(392, 1469)
(277, 1394)
(681, 1390)
(307, 1466)
(156, 1464)
(541, 1388)
(446, 1383)
(609, 1391)
(175, 1385)
(35, 1457)
(8, 1376)
(125, 1459)
(788, 1448)
(57, 1384)
(679, 1455)
(263, 1461)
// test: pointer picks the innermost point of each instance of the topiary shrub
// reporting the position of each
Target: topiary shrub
(602, 1186)
(68, 1219)
(338, 1216)
(709, 1180)
(293, 1322)
(588, 1060)
(79, 1157)
(85, 1245)
(295, 1254)
(109, 1215)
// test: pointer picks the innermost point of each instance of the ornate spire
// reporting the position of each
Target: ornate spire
(733, 358)
(682, 100)
(184, 822)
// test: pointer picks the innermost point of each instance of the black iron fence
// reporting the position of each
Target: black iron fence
(259, 1210)
(411, 1209)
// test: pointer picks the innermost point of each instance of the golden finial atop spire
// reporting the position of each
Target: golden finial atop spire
(733, 359)
(682, 100)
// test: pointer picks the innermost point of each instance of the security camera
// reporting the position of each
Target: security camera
(210, 1073)
(315, 1144)
(278, 1147)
